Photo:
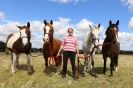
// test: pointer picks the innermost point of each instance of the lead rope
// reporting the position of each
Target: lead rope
(36, 55)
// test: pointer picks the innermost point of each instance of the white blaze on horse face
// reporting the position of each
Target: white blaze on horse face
(96, 33)
(116, 34)
(46, 37)
(24, 37)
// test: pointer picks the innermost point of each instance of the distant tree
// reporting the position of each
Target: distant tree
(2, 46)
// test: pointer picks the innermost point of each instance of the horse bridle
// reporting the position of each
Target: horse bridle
(22, 36)
(93, 40)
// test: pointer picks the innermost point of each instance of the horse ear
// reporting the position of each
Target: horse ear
(19, 27)
(110, 22)
(45, 22)
(28, 24)
(51, 22)
(90, 27)
(117, 23)
(99, 25)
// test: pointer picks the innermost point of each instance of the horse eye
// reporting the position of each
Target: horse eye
(51, 30)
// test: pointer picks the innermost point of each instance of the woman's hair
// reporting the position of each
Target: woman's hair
(70, 29)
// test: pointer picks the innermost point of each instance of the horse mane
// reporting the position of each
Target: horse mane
(89, 39)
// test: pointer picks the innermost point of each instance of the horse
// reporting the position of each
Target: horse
(111, 47)
(90, 45)
(51, 47)
(18, 43)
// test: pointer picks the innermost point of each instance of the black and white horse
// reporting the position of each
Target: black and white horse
(19, 43)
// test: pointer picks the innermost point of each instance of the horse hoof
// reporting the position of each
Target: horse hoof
(94, 74)
(45, 71)
(83, 75)
(116, 69)
(111, 75)
(104, 73)
(13, 72)
(30, 72)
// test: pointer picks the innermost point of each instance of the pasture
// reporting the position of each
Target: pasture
(121, 79)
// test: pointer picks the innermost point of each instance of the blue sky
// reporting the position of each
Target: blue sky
(67, 13)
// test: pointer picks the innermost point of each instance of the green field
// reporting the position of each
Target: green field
(122, 79)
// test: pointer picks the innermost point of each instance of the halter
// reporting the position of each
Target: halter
(22, 36)
(47, 33)
(94, 39)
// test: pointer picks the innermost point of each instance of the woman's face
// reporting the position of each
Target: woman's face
(70, 31)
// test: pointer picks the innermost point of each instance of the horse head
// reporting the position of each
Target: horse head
(94, 34)
(25, 33)
(48, 31)
(112, 32)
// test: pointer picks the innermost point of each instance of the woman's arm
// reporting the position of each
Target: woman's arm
(61, 47)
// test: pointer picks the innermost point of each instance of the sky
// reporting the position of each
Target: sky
(77, 14)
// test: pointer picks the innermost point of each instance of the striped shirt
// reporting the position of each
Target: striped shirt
(70, 43)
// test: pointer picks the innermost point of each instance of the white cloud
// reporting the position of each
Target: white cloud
(129, 3)
(68, 1)
(2, 16)
(61, 25)
(130, 25)
(7, 29)
(126, 41)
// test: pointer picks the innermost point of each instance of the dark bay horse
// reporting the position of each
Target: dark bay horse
(111, 47)
(51, 46)
(18, 43)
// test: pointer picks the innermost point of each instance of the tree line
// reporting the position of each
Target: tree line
(37, 50)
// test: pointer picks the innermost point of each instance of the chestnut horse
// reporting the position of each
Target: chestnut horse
(51, 46)
(19, 43)
(111, 47)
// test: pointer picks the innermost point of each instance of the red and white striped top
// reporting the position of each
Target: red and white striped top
(70, 43)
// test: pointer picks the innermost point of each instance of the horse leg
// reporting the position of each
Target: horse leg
(116, 63)
(46, 64)
(58, 61)
(92, 61)
(111, 66)
(104, 66)
(92, 58)
(11, 58)
(85, 64)
(13, 66)
(17, 58)
(28, 63)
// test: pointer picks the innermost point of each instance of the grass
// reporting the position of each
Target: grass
(122, 79)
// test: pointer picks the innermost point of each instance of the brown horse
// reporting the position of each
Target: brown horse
(111, 47)
(51, 46)
(19, 43)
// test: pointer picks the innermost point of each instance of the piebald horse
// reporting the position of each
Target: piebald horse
(51, 46)
(18, 43)
(90, 45)
(111, 47)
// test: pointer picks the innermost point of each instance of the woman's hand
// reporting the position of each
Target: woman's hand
(58, 54)
(78, 55)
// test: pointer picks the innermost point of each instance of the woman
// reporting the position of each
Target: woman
(69, 47)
